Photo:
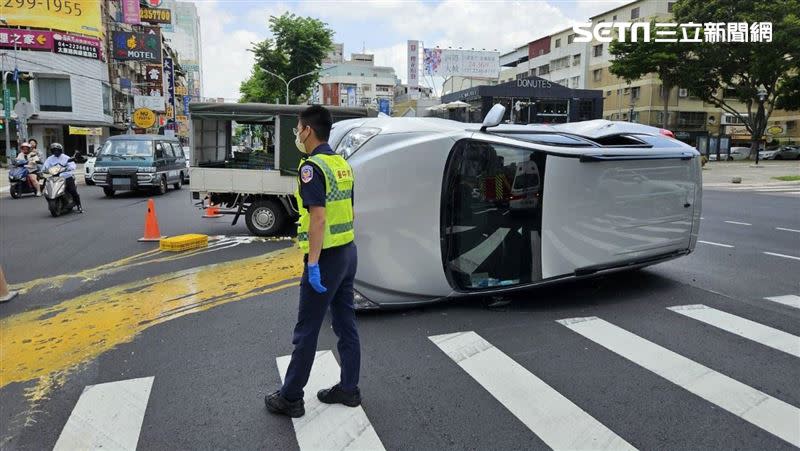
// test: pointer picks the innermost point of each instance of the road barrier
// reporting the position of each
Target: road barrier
(184, 242)
(151, 232)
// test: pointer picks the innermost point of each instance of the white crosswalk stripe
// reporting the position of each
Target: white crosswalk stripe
(768, 336)
(790, 299)
(107, 416)
(329, 426)
(773, 415)
(555, 419)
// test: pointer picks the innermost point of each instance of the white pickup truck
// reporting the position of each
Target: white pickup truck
(258, 184)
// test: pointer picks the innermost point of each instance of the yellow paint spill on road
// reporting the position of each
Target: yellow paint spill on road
(144, 258)
(48, 343)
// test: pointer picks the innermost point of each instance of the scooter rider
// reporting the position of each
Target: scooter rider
(58, 157)
(32, 161)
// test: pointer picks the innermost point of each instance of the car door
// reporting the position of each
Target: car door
(169, 162)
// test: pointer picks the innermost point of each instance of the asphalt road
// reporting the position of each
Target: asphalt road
(213, 357)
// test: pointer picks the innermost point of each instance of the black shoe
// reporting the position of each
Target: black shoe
(277, 404)
(80, 209)
(337, 395)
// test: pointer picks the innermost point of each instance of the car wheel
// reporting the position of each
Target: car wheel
(179, 183)
(109, 192)
(264, 217)
(14, 191)
(778, 157)
(162, 185)
(89, 182)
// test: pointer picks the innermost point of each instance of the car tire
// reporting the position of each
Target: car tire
(89, 182)
(162, 186)
(264, 217)
(13, 190)
(109, 192)
(179, 183)
(778, 157)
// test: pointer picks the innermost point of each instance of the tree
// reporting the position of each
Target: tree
(719, 72)
(297, 46)
(633, 60)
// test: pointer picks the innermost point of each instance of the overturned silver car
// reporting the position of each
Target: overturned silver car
(447, 209)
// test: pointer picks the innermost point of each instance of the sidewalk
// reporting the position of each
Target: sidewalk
(720, 173)
(79, 174)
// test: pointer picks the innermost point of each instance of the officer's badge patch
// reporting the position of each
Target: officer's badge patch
(306, 174)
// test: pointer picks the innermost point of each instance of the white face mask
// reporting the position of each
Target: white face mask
(300, 146)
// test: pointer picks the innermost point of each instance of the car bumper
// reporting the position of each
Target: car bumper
(143, 180)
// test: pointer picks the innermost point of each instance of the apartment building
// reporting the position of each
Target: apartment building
(356, 82)
(556, 57)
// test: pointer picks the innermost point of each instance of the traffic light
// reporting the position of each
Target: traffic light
(2, 124)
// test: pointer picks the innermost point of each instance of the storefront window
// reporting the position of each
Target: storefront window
(492, 219)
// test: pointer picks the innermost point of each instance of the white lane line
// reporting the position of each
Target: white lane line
(790, 299)
(329, 426)
(107, 416)
(739, 223)
(554, 418)
(469, 261)
(714, 244)
(767, 336)
(791, 257)
(760, 409)
(787, 230)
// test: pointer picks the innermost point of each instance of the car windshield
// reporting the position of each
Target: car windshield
(126, 149)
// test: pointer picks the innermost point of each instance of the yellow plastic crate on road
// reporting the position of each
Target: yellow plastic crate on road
(184, 242)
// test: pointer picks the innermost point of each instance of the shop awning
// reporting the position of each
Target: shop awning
(260, 112)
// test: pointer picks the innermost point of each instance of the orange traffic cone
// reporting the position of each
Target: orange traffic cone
(212, 211)
(151, 232)
(5, 294)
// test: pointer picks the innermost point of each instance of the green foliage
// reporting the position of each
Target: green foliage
(742, 68)
(633, 60)
(298, 46)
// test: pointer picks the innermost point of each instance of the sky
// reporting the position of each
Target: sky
(381, 27)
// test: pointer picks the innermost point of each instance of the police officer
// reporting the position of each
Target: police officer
(325, 235)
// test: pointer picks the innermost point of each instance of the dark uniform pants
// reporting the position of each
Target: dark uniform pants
(69, 186)
(338, 269)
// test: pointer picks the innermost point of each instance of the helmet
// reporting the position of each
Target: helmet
(24, 144)
(56, 146)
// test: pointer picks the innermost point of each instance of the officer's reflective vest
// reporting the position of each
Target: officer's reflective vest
(338, 203)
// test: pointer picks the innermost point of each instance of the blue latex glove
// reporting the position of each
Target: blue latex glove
(315, 279)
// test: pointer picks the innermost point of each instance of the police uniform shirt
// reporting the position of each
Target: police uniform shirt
(312, 180)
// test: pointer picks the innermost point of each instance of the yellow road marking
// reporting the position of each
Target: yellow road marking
(47, 344)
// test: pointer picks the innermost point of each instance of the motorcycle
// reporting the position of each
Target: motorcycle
(59, 201)
(18, 179)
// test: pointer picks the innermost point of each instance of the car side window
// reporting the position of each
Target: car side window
(178, 150)
(168, 152)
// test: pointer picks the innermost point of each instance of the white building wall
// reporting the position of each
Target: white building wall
(86, 84)
(567, 50)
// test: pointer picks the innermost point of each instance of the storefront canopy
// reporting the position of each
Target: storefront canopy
(262, 112)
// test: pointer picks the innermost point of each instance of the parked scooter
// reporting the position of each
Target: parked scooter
(59, 201)
(18, 179)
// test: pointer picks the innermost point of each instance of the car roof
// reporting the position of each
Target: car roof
(142, 138)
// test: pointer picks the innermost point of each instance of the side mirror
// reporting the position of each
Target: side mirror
(494, 117)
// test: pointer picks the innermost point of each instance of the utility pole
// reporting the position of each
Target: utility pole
(6, 108)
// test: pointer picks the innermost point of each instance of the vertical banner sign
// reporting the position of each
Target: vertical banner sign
(169, 81)
(7, 103)
(131, 11)
(413, 65)
(186, 100)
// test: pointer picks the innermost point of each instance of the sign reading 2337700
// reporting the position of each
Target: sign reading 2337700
(76, 16)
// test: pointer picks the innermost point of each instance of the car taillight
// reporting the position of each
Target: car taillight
(667, 133)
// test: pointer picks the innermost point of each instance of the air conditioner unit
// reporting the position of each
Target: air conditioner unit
(683, 92)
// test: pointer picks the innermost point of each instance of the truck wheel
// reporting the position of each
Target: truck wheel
(109, 192)
(264, 217)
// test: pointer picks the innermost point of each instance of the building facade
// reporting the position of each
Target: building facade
(555, 57)
(356, 82)
(185, 38)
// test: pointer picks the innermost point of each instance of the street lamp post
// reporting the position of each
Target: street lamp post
(762, 96)
(287, 83)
